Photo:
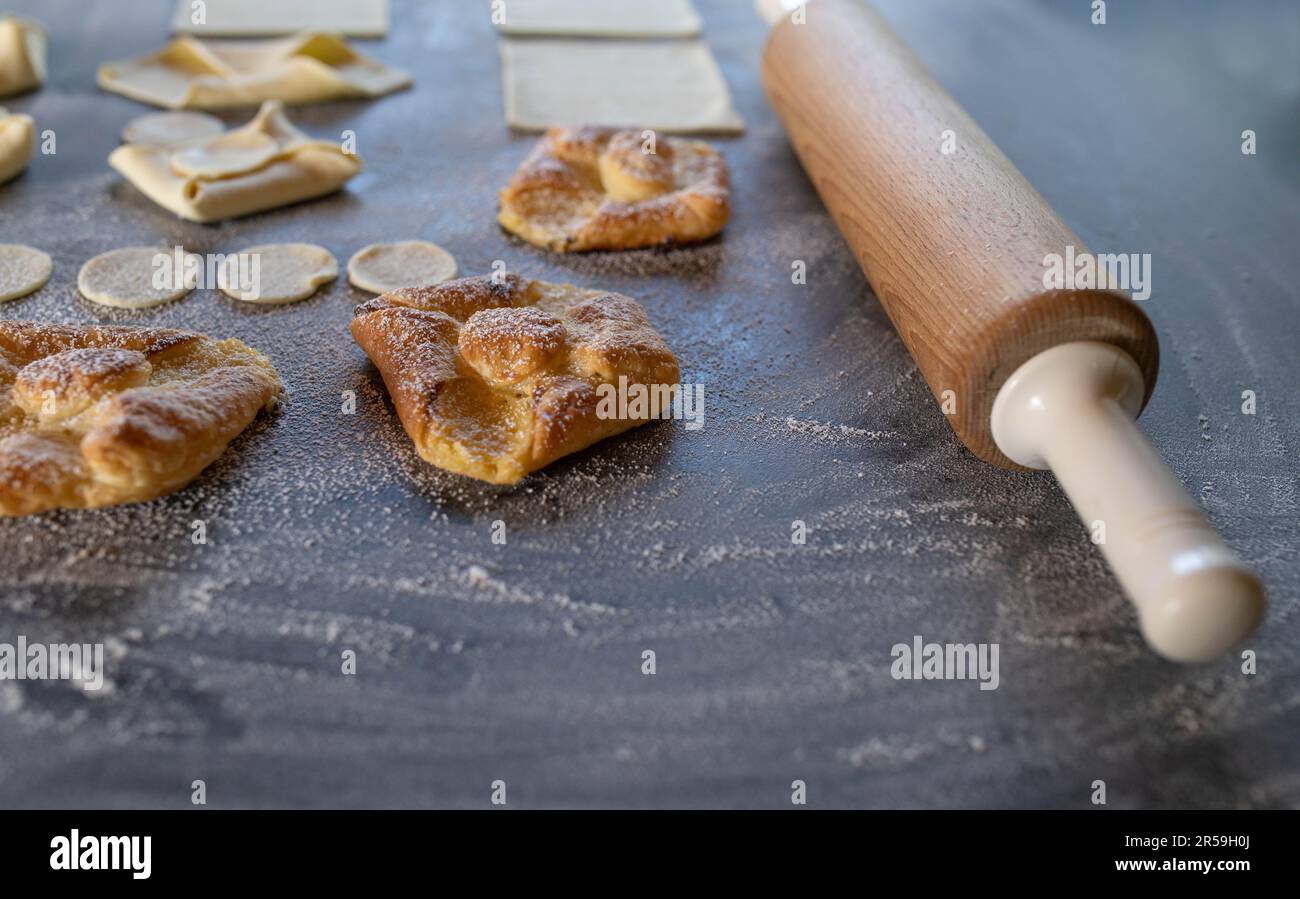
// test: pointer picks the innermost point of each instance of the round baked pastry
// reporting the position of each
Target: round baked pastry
(604, 189)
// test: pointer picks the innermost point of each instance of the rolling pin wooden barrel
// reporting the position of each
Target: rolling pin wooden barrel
(955, 243)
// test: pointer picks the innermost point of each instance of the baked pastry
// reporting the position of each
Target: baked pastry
(99, 415)
(497, 376)
(263, 165)
(190, 73)
(595, 189)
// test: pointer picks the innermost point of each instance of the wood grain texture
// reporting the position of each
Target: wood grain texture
(952, 243)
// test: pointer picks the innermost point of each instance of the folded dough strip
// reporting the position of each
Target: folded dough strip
(23, 48)
(190, 73)
(17, 143)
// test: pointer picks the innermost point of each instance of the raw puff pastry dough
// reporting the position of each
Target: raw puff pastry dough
(23, 270)
(264, 18)
(123, 278)
(287, 273)
(17, 141)
(23, 46)
(282, 165)
(194, 74)
(605, 18)
(382, 267)
(98, 415)
(163, 129)
(495, 379)
(664, 85)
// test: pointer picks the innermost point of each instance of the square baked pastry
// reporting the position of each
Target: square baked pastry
(497, 376)
(98, 415)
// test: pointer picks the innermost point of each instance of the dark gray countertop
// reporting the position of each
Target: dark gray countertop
(521, 662)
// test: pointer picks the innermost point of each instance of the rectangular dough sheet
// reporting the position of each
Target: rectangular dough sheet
(265, 18)
(600, 18)
(664, 85)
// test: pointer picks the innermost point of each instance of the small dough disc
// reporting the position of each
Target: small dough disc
(125, 278)
(234, 154)
(285, 273)
(23, 270)
(165, 129)
(383, 267)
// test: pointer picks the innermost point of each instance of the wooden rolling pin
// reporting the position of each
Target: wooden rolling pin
(955, 246)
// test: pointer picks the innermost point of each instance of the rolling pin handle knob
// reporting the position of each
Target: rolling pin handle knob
(1071, 409)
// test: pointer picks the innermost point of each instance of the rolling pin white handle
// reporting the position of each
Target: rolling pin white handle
(1071, 409)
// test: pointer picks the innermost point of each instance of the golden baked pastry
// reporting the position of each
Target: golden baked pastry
(98, 415)
(497, 376)
(595, 189)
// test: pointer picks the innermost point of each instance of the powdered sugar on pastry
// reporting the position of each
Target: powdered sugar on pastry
(601, 189)
(382, 267)
(497, 376)
(99, 415)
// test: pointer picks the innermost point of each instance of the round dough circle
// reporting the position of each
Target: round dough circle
(124, 278)
(384, 267)
(287, 272)
(163, 129)
(23, 270)
(222, 157)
